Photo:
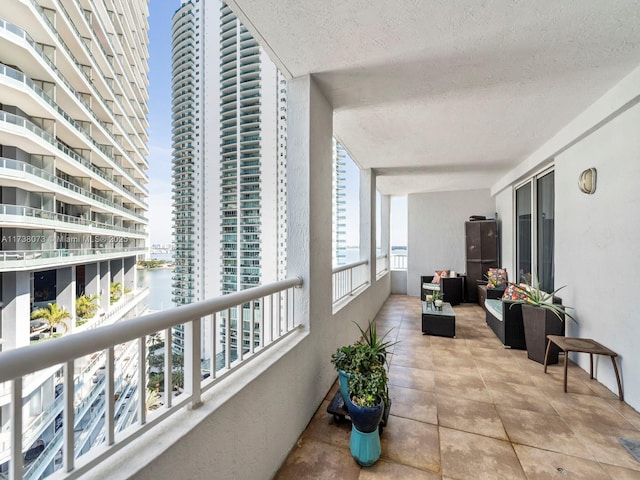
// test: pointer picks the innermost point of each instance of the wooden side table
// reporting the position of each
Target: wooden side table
(582, 345)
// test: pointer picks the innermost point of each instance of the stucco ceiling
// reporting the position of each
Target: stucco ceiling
(446, 95)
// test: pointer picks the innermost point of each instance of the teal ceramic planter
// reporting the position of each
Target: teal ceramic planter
(343, 380)
(365, 447)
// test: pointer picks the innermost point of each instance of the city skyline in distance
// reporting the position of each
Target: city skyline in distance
(160, 227)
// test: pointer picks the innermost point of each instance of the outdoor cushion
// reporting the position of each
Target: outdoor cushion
(497, 275)
(431, 286)
(494, 307)
(514, 292)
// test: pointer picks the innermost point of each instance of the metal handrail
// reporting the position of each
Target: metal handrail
(342, 268)
(25, 360)
(266, 312)
(348, 279)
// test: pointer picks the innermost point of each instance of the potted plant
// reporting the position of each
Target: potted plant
(349, 358)
(363, 385)
(542, 315)
(437, 300)
(366, 405)
(343, 361)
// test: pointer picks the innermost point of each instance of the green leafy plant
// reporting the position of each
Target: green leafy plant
(343, 358)
(54, 315)
(539, 298)
(377, 344)
(365, 362)
(116, 290)
(86, 306)
(437, 295)
(367, 388)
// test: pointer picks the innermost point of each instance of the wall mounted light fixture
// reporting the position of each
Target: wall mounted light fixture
(587, 181)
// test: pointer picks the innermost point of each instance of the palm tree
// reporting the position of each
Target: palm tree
(86, 307)
(115, 291)
(54, 315)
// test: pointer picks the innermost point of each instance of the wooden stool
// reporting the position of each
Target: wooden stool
(582, 345)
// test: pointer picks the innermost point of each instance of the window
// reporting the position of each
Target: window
(535, 239)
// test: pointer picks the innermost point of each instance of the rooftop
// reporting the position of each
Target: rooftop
(467, 408)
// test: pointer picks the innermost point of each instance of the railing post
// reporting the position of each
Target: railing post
(351, 281)
(142, 380)
(192, 334)
(68, 417)
(168, 368)
(109, 399)
(15, 466)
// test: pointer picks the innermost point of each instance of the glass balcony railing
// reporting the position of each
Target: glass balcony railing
(16, 120)
(38, 172)
(39, 215)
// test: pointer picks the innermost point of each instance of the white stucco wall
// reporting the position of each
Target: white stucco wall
(505, 211)
(597, 239)
(399, 282)
(596, 236)
(436, 237)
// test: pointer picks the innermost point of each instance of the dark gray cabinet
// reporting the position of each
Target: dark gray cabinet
(481, 239)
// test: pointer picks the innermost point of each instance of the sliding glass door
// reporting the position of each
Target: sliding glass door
(535, 217)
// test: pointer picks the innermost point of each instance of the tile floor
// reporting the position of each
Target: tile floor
(467, 408)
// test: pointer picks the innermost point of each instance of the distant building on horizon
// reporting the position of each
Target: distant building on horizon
(339, 231)
(229, 157)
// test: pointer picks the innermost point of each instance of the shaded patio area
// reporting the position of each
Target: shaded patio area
(467, 408)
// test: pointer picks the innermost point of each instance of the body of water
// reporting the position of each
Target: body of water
(159, 280)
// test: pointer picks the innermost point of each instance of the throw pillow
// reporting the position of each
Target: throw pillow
(514, 292)
(497, 277)
(440, 274)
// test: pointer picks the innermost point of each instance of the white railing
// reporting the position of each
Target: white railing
(398, 261)
(267, 314)
(347, 279)
(17, 259)
(381, 265)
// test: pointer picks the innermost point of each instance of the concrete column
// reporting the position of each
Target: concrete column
(92, 279)
(66, 294)
(16, 309)
(129, 276)
(105, 281)
(368, 220)
(117, 273)
(385, 228)
(309, 198)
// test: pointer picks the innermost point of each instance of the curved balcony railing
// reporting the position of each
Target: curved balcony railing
(10, 257)
(19, 166)
(38, 213)
(20, 77)
(87, 50)
(14, 29)
(16, 120)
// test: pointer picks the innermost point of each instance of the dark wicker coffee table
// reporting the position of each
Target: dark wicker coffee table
(438, 322)
(582, 345)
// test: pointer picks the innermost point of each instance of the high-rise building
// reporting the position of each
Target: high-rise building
(339, 231)
(73, 147)
(229, 157)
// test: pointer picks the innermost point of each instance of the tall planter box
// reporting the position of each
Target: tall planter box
(538, 323)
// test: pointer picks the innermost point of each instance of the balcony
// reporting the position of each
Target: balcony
(447, 392)
(467, 408)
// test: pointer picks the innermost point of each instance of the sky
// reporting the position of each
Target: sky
(159, 158)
